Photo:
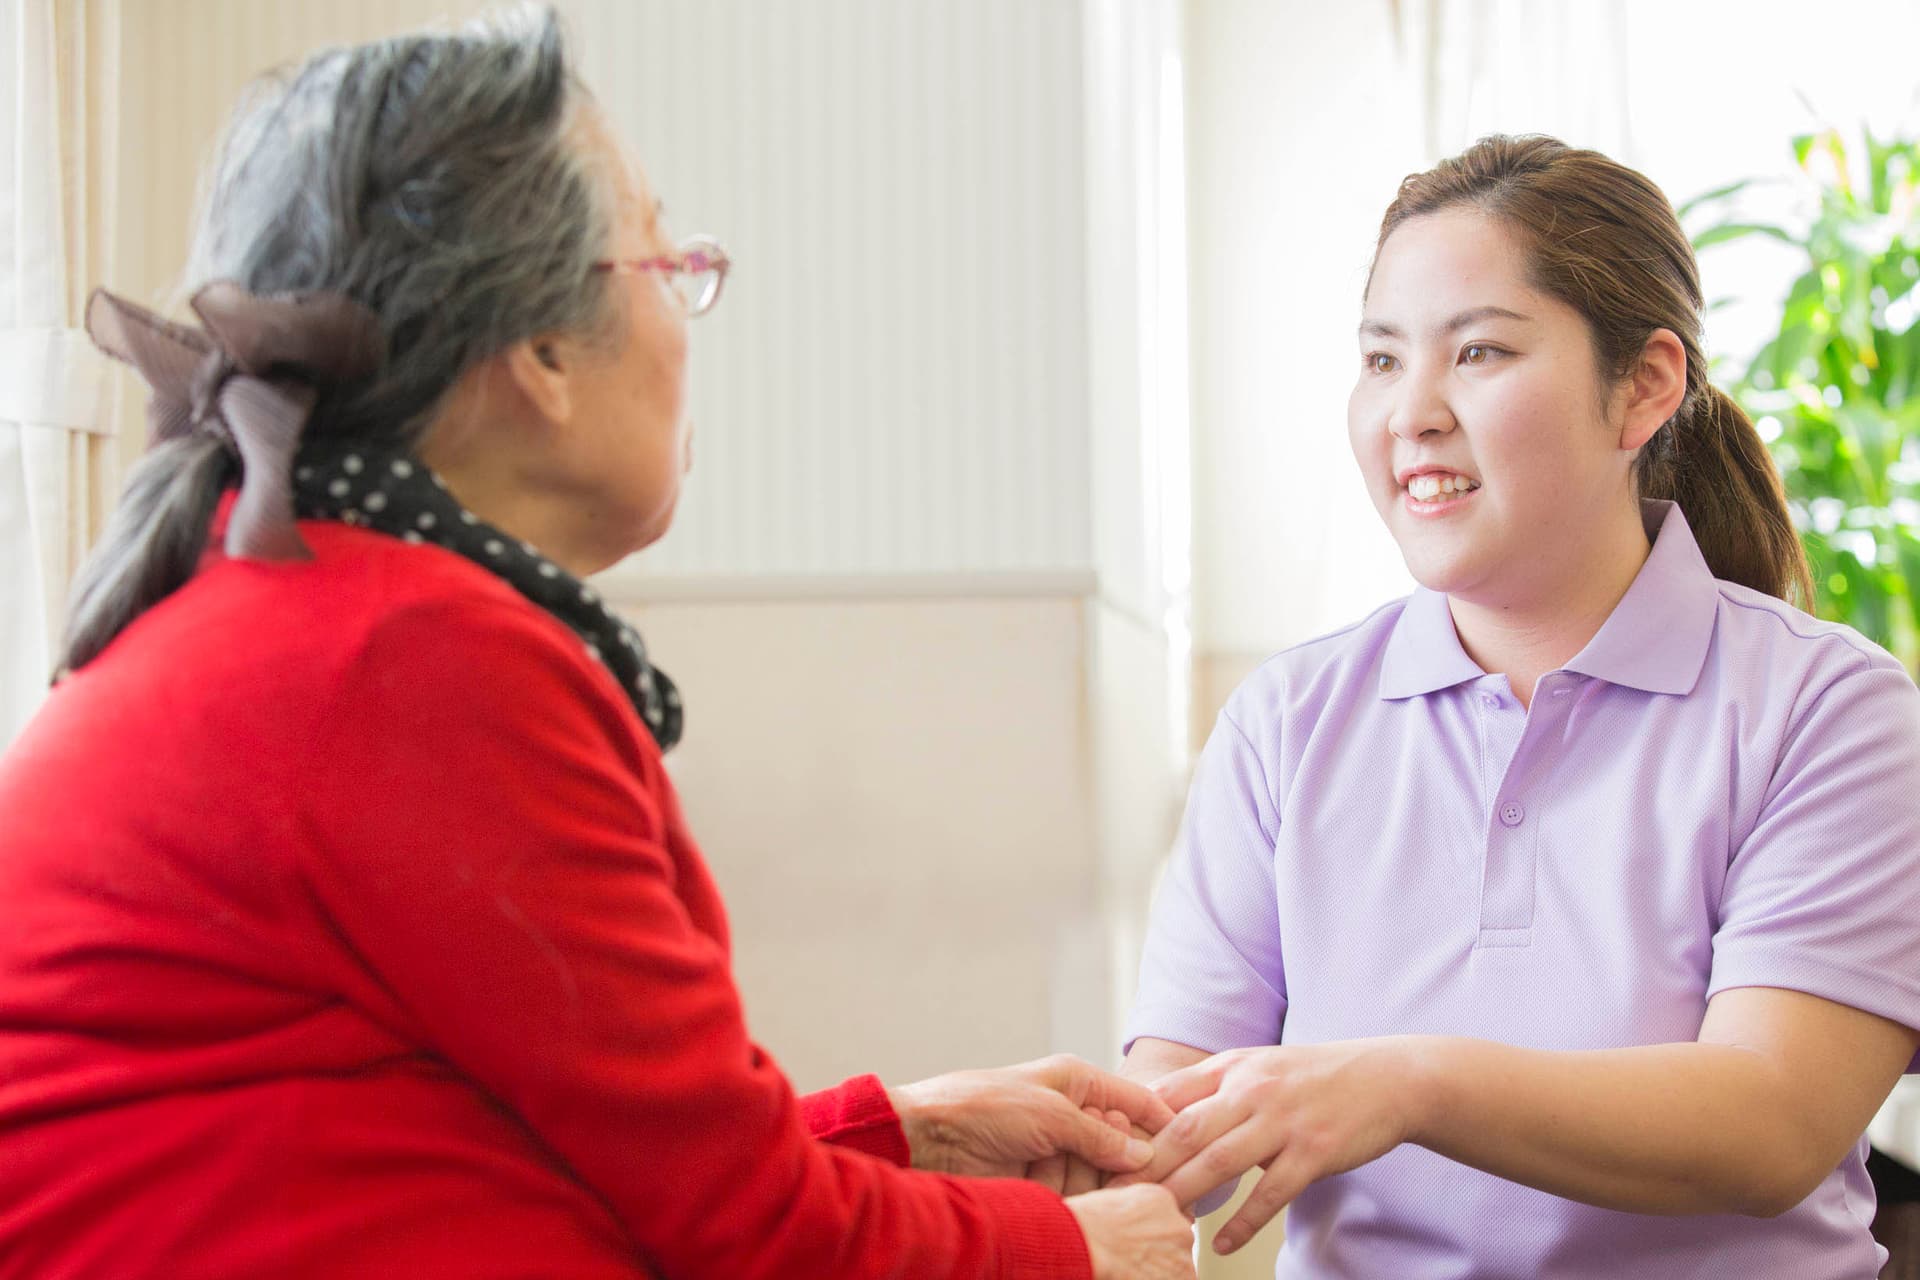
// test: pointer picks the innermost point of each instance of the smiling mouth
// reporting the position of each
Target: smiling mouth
(1435, 489)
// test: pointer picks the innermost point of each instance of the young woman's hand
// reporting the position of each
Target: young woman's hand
(1135, 1233)
(1301, 1112)
(1028, 1120)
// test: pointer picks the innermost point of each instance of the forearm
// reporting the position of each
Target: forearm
(1149, 1059)
(1661, 1129)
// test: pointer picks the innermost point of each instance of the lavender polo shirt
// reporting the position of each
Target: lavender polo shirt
(1718, 791)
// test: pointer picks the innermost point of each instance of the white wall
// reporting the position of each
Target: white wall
(894, 382)
(1293, 157)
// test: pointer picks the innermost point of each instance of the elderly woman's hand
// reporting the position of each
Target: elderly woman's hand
(1006, 1121)
(1135, 1233)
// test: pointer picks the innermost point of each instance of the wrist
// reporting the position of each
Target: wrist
(1420, 1078)
(920, 1122)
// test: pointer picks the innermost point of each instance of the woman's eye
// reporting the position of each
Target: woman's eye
(1476, 353)
(1380, 362)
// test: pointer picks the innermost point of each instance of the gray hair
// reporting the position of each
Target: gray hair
(437, 179)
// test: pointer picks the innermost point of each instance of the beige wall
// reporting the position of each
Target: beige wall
(893, 795)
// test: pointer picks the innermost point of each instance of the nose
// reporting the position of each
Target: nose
(1419, 408)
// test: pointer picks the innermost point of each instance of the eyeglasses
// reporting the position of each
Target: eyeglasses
(695, 272)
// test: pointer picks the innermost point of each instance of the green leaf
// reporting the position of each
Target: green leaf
(1906, 549)
(1709, 197)
(1726, 231)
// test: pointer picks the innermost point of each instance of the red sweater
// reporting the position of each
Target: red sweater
(351, 928)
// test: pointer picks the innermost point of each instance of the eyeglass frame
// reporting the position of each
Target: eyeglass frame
(696, 255)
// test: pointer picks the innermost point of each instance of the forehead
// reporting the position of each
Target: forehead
(1430, 263)
(596, 134)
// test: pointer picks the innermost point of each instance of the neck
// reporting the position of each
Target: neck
(485, 467)
(1528, 634)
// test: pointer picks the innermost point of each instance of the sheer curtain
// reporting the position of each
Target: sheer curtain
(1517, 66)
(56, 455)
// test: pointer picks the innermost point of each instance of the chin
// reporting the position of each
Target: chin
(652, 526)
(1449, 575)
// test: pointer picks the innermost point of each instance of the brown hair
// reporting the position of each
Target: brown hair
(1605, 241)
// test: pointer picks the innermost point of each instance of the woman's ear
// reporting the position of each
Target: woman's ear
(541, 370)
(1656, 388)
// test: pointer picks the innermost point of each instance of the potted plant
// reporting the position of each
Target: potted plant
(1836, 390)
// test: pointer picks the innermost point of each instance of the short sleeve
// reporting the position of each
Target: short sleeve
(1211, 974)
(1823, 895)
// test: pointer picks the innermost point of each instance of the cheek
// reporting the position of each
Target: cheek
(1366, 431)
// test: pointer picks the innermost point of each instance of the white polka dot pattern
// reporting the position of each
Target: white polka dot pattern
(401, 496)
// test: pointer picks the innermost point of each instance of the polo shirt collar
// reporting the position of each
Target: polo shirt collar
(1423, 653)
(1655, 640)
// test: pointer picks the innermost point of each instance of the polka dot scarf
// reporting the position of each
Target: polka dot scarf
(394, 493)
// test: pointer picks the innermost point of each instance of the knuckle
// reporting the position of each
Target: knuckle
(1156, 1197)
(1217, 1163)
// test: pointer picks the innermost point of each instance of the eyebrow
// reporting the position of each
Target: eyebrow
(1471, 316)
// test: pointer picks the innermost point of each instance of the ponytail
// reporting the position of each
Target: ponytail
(1712, 463)
(152, 543)
(435, 179)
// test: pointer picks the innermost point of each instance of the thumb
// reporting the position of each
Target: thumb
(1091, 1138)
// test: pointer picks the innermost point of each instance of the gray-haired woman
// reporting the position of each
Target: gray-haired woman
(356, 927)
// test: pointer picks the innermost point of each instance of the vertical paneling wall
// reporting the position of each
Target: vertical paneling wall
(896, 382)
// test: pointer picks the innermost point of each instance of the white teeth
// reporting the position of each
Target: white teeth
(1432, 485)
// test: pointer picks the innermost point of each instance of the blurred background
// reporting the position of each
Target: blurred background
(1020, 431)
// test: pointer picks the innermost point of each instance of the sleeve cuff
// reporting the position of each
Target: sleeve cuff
(856, 1114)
(1036, 1234)
(1884, 994)
(1202, 1027)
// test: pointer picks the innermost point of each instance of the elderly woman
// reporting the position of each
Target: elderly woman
(356, 930)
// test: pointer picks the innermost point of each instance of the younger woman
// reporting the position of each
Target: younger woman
(1562, 919)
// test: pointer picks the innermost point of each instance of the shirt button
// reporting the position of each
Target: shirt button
(1490, 700)
(1513, 813)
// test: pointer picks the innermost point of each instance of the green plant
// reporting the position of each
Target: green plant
(1836, 391)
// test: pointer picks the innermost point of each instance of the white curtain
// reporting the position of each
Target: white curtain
(1517, 66)
(56, 454)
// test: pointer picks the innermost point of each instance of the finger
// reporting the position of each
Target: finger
(1181, 1089)
(1088, 1135)
(1049, 1171)
(1126, 1179)
(1081, 1178)
(1276, 1190)
(1222, 1160)
(1140, 1104)
(1191, 1132)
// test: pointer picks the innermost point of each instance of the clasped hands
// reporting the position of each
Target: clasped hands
(1298, 1113)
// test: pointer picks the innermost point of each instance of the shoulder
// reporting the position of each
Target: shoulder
(1752, 622)
(417, 600)
(1313, 675)
(1812, 698)
(1764, 647)
(373, 629)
